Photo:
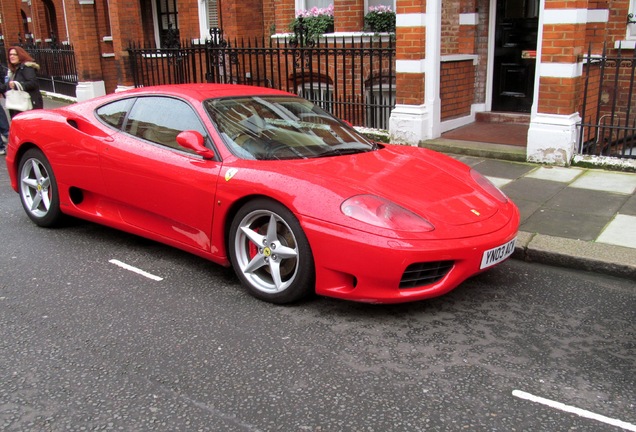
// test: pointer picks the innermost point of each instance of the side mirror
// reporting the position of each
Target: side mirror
(193, 140)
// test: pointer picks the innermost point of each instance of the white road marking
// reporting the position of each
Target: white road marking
(135, 270)
(574, 410)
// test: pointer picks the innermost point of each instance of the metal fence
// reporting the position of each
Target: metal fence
(608, 126)
(352, 77)
(58, 70)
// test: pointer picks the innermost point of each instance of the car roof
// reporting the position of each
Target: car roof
(205, 91)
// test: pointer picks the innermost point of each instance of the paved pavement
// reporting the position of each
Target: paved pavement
(574, 217)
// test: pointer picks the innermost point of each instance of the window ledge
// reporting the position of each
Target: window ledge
(625, 44)
(461, 57)
(341, 35)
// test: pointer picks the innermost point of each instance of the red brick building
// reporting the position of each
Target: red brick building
(454, 58)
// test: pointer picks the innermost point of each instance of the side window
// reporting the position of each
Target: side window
(114, 113)
(161, 119)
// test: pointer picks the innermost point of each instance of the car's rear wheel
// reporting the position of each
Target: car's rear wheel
(38, 189)
(270, 252)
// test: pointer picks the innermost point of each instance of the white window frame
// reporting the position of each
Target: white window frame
(204, 17)
(631, 28)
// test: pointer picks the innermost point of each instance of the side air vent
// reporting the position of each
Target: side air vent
(422, 274)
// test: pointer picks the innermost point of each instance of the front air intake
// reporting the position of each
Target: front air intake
(422, 274)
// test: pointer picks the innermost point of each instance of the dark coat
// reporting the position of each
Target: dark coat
(26, 75)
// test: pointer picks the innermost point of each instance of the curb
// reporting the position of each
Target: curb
(576, 254)
(478, 149)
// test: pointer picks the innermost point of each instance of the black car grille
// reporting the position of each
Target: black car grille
(422, 274)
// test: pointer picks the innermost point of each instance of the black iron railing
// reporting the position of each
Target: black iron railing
(608, 126)
(352, 77)
(58, 70)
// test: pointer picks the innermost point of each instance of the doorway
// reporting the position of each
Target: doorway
(515, 53)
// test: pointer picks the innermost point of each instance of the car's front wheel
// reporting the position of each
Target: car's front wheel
(38, 189)
(270, 252)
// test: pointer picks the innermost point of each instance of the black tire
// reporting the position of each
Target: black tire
(274, 265)
(38, 189)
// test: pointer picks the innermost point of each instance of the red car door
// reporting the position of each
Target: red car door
(157, 185)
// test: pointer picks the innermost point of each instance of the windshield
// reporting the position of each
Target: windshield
(282, 127)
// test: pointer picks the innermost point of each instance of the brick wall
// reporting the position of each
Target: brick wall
(457, 88)
(348, 15)
(244, 19)
(450, 27)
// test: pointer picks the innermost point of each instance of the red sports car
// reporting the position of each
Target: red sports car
(295, 200)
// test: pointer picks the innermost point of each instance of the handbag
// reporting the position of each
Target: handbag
(18, 99)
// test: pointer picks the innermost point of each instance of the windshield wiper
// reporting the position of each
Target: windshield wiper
(343, 151)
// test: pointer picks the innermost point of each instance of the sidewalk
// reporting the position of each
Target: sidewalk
(574, 217)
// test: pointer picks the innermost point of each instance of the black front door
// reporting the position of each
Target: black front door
(515, 55)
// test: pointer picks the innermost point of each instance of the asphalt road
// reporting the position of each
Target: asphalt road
(86, 344)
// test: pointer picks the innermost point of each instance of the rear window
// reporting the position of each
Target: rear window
(114, 113)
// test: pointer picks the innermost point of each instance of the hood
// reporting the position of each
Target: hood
(432, 185)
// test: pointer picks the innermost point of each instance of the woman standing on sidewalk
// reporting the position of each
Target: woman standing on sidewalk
(23, 69)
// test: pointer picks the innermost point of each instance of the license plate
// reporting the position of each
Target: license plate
(498, 254)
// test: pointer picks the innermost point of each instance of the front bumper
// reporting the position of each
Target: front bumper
(368, 268)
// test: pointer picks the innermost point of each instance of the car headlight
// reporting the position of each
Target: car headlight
(488, 186)
(383, 213)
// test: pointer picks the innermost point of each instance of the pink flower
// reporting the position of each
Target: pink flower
(380, 9)
(315, 11)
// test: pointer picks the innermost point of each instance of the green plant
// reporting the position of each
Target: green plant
(313, 22)
(380, 19)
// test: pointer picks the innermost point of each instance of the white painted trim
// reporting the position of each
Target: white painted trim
(460, 57)
(408, 124)
(625, 44)
(575, 16)
(155, 23)
(490, 65)
(552, 138)
(203, 19)
(410, 109)
(86, 90)
(597, 15)
(556, 119)
(537, 67)
(411, 66)
(564, 16)
(433, 66)
(454, 123)
(468, 19)
(560, 70)
(360, 36)
(410, 20)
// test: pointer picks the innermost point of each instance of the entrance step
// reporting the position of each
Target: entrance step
(502, 117)
(478, 149)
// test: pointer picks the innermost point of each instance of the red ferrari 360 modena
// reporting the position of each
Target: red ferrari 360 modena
(294, 199)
